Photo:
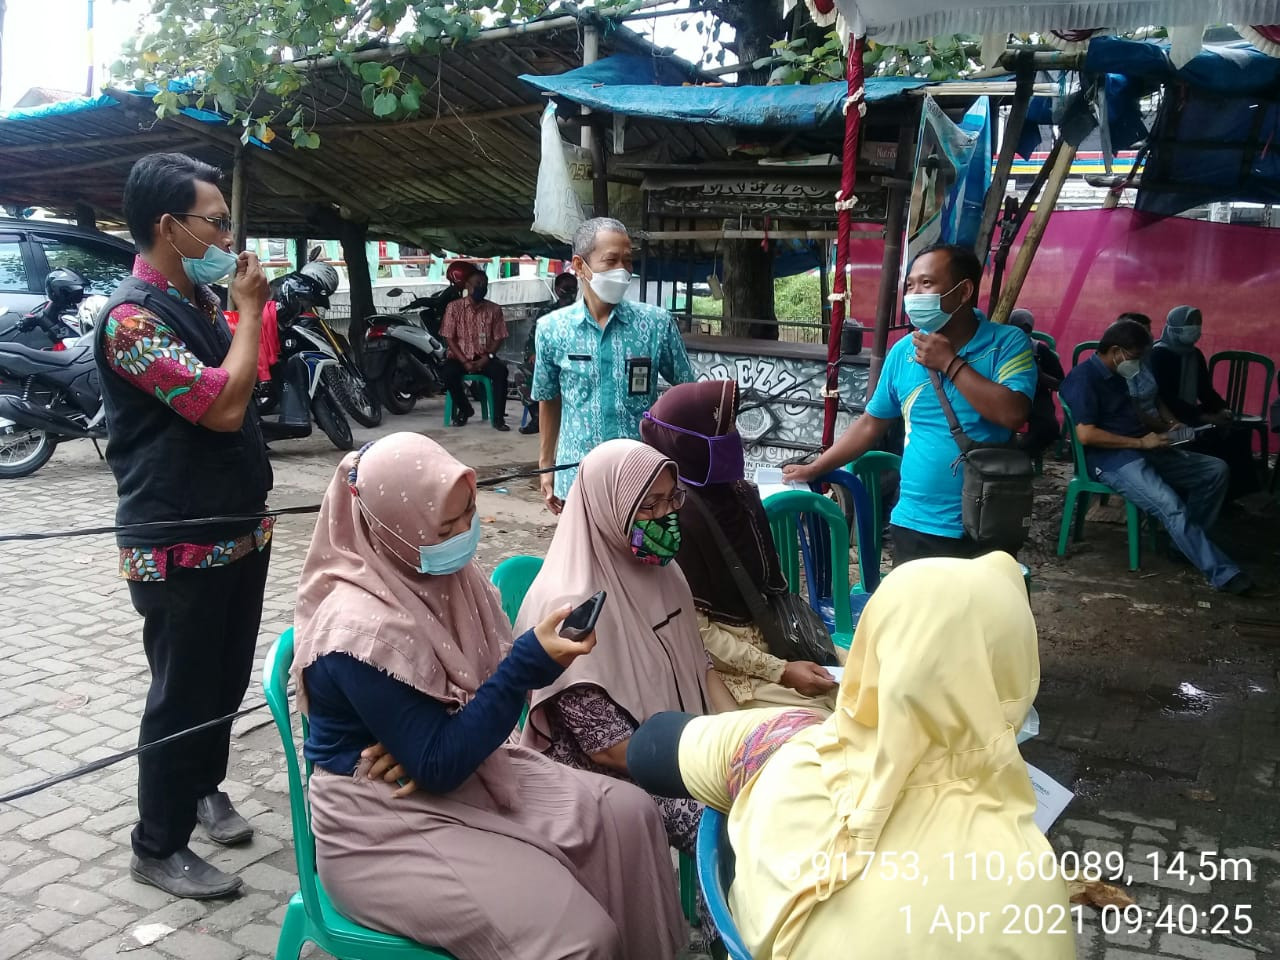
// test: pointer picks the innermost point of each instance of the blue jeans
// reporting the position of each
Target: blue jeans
(1185, 491)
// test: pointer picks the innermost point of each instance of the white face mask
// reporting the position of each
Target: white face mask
(611, 285)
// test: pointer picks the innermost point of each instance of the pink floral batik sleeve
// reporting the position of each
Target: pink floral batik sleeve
(145, 352)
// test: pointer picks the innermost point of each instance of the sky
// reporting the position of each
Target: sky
(30, 60)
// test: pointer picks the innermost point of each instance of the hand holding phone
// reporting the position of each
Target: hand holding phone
(553, 632)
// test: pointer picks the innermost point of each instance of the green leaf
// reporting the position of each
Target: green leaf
(388, 77)
(384, 104)
(834, 69)
(763, 62)
(370, 72)
(409, 100)
(367, 93)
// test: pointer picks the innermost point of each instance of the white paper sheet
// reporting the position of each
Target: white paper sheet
(837, 672)
(1051, 798)
(769, 480)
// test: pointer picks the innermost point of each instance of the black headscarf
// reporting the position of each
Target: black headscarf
(710, 408)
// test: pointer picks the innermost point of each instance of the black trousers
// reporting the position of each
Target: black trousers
(911, 545)
(200, 628)
(452, 372)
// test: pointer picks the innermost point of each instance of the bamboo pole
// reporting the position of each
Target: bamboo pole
(1035, 233)
(1008, 145)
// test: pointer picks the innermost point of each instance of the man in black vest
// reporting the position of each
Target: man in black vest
(184, 444)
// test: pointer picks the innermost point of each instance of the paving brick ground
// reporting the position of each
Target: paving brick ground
(73, 677)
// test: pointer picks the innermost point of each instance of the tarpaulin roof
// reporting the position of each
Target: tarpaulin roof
(901, 21)
(1214, 137)
(644, 87)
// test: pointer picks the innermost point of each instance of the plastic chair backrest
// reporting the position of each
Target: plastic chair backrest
(275, 685)
(1083, 348)
(513, 577)
(868, 539)
(868, 468)
(783, 510)
(1044, 338)
(715, 875)
(1237, 392)
(1077, 448)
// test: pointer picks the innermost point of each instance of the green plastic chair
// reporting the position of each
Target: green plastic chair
(1045, 338)
(486, 400)
(1239, 363)
(783, 509)
(1082, 348)
(513, 577)
(311, 915)
(1082, 487)
(868, 469)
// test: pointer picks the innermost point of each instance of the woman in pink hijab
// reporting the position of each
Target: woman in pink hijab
(619, 532)
(488, 849)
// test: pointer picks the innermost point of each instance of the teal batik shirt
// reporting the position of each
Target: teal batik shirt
(605, 379)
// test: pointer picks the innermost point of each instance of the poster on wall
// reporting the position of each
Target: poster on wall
(953, 171)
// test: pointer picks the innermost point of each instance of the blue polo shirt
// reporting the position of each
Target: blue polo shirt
(931, 486)
(1099, 397)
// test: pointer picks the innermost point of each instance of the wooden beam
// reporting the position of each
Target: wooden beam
(1035, 233)
(91, 143)
(41, 173)
(1008, 145)
(448, 120)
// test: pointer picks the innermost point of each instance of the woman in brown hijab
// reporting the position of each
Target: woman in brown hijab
(498, 852)
(618, 532)
(695, 425)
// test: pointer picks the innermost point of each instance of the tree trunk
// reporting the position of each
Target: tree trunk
(354, 252)
(748, 290)
(748, 269)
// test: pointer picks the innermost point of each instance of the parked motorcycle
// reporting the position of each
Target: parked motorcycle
(301, 295)
(401, 355)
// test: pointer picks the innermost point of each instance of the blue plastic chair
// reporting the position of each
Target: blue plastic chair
(715, 874)
(311, 915)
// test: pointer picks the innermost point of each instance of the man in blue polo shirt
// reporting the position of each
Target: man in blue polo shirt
(989, 376)
(1184, 489)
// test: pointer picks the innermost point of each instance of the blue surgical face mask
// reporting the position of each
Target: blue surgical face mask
(450, 556)
(925, 312)
(1187, 336)
(210, 268)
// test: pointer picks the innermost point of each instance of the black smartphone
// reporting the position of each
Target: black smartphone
(582, 618)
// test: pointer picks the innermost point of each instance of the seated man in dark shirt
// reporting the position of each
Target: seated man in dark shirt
(1184, 490)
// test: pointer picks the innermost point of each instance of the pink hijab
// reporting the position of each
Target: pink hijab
(649, 655)
(360, 592)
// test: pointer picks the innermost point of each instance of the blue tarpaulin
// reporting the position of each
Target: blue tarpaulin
(650, 87)
(1215, 135)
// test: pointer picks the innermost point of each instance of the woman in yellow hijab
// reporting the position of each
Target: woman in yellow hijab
(901, 824)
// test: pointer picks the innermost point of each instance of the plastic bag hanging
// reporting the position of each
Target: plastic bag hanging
(556, 210)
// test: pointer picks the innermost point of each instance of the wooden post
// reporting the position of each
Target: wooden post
(239, 193)
(86, 216)
(1035, 233)
(300, 253)
(592, 132)
(590, 52)
(891, 265)
(1008, 144)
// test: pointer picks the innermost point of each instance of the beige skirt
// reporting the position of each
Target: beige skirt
(580, 869)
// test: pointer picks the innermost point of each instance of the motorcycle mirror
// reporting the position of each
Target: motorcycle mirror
(394, 292)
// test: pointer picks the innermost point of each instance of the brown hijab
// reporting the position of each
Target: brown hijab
(360, 592)
(710, 408)
(649, 655)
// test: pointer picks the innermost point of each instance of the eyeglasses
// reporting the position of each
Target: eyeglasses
(223, 224)
(675, 502)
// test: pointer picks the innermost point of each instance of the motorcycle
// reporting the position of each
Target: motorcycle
(47, 398)
(402, 355)
(305, 383)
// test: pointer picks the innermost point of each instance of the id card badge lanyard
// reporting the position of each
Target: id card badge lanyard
(639, 376)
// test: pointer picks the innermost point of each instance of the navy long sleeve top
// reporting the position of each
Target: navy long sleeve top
(353, 705)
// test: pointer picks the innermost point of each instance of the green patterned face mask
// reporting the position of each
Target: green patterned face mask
(656, 541)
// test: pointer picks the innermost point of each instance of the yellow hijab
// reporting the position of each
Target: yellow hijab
(917, 769)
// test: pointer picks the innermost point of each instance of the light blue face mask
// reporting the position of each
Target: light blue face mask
(1188, 336)
(215, 264)
(925, 312)
(450, 556)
